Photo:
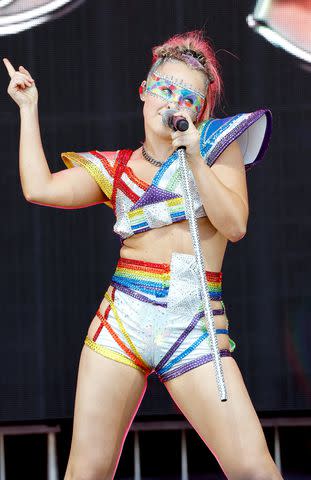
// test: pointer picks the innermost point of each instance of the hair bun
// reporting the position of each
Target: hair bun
(194, 58)
(196, 50)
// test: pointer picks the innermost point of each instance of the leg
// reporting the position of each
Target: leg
(230, 429)
(107, 398)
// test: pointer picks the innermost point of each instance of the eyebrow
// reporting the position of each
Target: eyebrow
(178, 82)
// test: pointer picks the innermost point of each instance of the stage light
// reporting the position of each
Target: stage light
(286, 24)
(19, 15)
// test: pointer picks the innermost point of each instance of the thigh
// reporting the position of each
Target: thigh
(107, 398)
(121, 329)
(186, 345)
(230, 429)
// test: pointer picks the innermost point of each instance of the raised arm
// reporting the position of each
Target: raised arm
(69, 188)
(72, 188)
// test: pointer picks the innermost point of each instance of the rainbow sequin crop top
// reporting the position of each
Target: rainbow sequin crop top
(139, 206)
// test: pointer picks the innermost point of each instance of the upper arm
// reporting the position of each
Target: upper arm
(230, 169)
(71, 188)
(88, 181)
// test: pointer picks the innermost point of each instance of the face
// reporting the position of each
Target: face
(169, 89)
(173, 85)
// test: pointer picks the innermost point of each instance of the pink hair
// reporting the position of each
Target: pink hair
(201, 48)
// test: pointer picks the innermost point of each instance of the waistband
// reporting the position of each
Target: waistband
(154, 278)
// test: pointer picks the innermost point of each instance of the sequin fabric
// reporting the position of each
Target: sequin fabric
(252, 130)
(139, 206)
(147, 327)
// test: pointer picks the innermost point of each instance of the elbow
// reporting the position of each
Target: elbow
(31, 198)
(237, 233)
(28, 197)
(239, 228)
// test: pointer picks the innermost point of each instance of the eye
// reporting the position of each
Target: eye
(188, 101)
(166, 90)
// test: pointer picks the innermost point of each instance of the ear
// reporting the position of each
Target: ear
(205, 114)
(142, 90)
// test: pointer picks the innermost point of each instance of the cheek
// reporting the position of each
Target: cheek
(152, 105)
(191, 112)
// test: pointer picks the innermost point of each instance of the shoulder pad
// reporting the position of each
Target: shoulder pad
(252, 130)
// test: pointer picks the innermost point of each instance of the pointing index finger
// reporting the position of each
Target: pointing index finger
(9, 67)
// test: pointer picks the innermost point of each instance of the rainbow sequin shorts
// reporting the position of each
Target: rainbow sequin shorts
(154, 320)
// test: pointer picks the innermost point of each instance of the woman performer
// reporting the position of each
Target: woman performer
(151, 318)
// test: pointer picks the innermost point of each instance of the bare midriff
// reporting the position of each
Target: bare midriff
(158, 244)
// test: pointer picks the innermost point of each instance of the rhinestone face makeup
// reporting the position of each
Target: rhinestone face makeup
(190, 61)
(178, 82)
(168, 89)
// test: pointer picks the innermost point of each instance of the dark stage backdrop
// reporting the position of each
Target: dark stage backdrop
(56, 264)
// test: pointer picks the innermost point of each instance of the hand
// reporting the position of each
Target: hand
(189, 139)
(22, 86)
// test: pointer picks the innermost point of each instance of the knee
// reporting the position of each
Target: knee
(264, 474)
(258, 471)
(89, 475)
(88, 472)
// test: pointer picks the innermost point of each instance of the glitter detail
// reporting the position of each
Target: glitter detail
(137, 295)
(178, 342)
(232, 344)
(123, 158)
(97, 168)
(154, 195)
(197, 266)
(113, 308)
(192, 364)
(177, 82)
(140, 297)
(187, 351)
(169, 89)
(119, 341)
(155, 278)
(125, 191)
(107, 352)
(154, 209)
(191, 60)
(252, 130)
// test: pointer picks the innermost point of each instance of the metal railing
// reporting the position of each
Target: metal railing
(52, 468)
(136, 427)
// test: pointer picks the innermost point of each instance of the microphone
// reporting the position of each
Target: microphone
(174, 122)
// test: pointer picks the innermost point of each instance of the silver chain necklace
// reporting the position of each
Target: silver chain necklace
(146, 155)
